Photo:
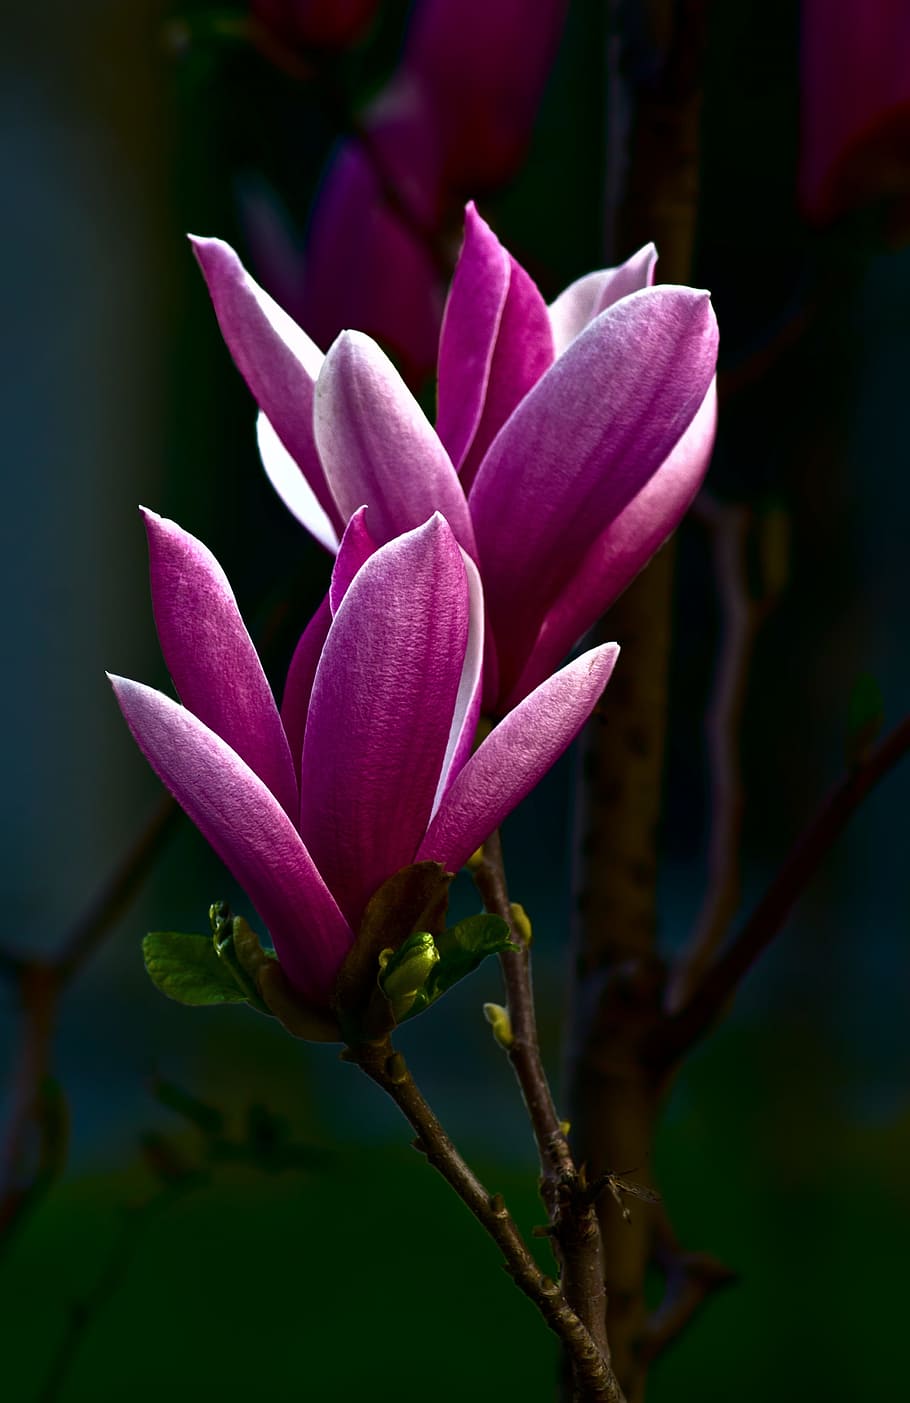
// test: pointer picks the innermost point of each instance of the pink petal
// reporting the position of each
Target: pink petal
(624, 548)
(277, 360)
(495, 344)
(248, 830)
(579, 447)
(299, 684)
(582, 301)
(292, 487)
(484, 66)
(515, 756)
(357, 546)
(211, 657)
(379, 449)
(381, 712)
(467, 702)
(367, 262)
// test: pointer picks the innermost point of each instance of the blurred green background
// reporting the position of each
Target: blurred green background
(785, 1148)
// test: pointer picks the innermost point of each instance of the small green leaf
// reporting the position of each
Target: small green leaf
(462, 947)
(188, 968)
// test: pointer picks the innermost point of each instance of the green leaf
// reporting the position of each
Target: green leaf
(456, 952)
(463, 947)
(188, 968)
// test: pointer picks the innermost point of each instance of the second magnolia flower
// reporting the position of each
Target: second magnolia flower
(368, 766)
(569, 439)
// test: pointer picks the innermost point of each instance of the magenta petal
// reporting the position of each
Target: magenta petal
(579, 447)
(582, 301)
(248, 830)
(624, 548)
(496, 343)
(211, 657)
(299, 684)
(381, 712)
(467, 702)
(357, 546)
(277, 360)
(379, 449)
(515, 756)
(470, 326)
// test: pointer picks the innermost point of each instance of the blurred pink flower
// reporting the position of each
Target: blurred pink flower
(455, 117)
(855, 104)
(368, 766)
(317, 24)
(569, 442)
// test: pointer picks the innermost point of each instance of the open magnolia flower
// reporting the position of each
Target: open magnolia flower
(569, 441)
(368, 767)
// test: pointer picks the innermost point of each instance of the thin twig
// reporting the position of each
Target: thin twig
(742, 616)
(681, 1031)
(690, 1280)
(575, 1231)
(594, 1379)
(83, 1312)
(524, 1051)
(40, 983)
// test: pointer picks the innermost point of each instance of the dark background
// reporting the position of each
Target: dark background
(786, 1146)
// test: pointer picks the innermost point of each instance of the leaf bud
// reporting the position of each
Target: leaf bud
(500, 1022)
(521, 924)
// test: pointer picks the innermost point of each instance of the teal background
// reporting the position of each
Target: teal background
(786, 1144)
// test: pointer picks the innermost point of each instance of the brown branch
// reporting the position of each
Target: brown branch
(690, 1280)
(40, 983)
(681, 1031)
(594, 1378)
(743, 615)
(575, 1232)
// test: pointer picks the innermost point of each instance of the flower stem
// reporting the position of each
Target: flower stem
(594, 1379)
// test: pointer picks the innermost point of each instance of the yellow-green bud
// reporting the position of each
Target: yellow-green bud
(500, 1022)
(404, 972)
(521, 925)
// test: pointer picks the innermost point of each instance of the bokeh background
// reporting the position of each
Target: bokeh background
(334, 1266)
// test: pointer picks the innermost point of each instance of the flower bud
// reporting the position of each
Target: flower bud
(404, 972)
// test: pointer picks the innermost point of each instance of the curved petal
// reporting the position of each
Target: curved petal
(582, 301)
(248, 830)
(515, 756)
(277, 360)
(211, 657)
(470, 326)
(579, 447)
(291, 485)
(356, 547)
(467, 702)
(495, 344)
(624, 548)
(378, 448)
(298, 686)
(381, 712)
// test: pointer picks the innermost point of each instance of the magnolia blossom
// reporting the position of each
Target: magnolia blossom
(456, 115)
(569, 439)
(367, 767)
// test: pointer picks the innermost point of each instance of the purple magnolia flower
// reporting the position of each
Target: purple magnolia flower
(367, 767)
(569, 439)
